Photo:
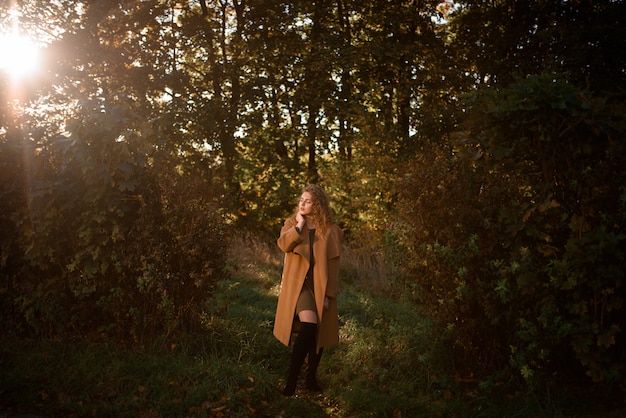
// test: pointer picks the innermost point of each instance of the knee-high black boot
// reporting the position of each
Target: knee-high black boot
(304, 341)
(313, 362)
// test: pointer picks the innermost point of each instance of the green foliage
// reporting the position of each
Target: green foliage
(568, 234)
(148, 123)
(105, 238)
(521, 233)
(392, 361)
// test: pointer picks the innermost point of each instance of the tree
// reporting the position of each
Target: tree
(502, 220)
(106, 198)
(503, 40)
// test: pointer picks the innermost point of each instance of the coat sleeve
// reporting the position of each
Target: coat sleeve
(289, 237)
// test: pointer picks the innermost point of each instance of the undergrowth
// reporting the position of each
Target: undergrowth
(391, 361)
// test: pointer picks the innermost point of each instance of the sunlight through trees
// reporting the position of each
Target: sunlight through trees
(476, 147)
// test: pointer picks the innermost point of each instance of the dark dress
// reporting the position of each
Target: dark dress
(306, 301)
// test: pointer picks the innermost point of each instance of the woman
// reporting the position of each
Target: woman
(311, 242)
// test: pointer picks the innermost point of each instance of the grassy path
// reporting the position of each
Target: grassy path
(382, 366)
(231, 365)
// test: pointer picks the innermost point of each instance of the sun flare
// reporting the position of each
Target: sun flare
(19, 56)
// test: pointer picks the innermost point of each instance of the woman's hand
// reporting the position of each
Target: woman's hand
(301, 220)
(326, 303)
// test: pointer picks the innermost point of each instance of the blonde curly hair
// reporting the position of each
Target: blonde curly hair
(321, 212)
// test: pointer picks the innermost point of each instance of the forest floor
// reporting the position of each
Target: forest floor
(390, 362)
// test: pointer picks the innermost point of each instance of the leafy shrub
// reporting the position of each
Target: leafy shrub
(106, 235)
(517, 234)
(443, 238)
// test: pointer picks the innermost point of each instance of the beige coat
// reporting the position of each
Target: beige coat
(326, 251)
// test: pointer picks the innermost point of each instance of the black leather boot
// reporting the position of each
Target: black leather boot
(301, 347)
(313, 363)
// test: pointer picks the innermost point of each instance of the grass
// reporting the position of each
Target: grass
(390, 362)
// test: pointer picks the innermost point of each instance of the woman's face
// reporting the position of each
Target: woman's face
(305, 206)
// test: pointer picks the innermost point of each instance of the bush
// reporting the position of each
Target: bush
(106, 235)
(517, 234)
